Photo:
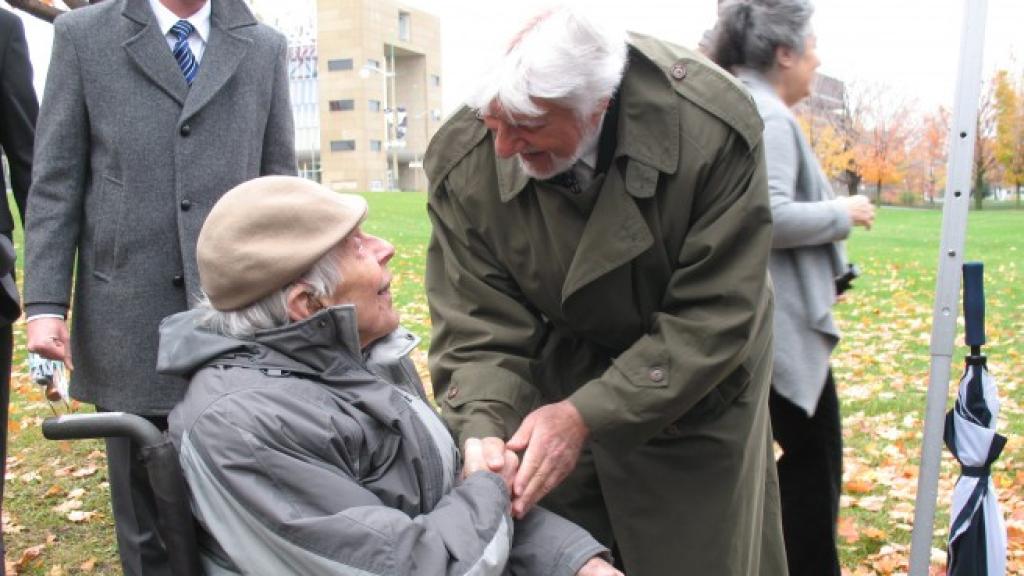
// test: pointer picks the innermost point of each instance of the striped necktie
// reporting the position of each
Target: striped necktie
(182, 53)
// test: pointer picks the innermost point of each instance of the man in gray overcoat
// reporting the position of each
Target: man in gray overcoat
(152, 110)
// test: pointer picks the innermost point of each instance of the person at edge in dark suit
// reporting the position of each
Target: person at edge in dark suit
(18, 110)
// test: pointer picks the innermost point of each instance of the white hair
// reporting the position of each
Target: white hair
(560, 55)
(270, 311)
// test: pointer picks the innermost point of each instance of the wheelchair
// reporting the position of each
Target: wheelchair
(174, 513)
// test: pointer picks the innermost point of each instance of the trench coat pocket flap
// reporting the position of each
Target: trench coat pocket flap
(110, 207)
(641, 179)
(490, 384)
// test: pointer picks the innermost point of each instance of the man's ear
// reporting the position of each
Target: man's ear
(785, 57)
(301, 303)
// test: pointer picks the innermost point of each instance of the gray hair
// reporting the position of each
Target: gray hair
(560, 56)
(749, 31)
(270, 311)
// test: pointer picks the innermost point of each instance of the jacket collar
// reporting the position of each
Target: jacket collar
(224, 51)
(647, 127)
(326, 345)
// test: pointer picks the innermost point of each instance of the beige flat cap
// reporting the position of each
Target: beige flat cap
(265, 233)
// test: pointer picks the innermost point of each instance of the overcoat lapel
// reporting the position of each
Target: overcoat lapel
(148, 48)
(647, 146)
(224, 52)
(615, 234)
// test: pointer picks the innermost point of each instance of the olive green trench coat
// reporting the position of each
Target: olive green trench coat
(649, 308)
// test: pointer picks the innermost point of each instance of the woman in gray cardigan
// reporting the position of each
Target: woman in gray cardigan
(769, 45)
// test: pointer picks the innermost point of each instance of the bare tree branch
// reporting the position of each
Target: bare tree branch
(36, 8)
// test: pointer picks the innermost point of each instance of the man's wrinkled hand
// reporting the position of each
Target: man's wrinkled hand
(49, 338)
(490, 455)
(596, 566)
(552, 437)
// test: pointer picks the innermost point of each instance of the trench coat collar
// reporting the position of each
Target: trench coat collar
(225, 49)
(648, 130)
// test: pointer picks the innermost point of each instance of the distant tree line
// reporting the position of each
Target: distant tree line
(880, 145)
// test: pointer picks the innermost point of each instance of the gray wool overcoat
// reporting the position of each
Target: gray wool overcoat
(129, 160)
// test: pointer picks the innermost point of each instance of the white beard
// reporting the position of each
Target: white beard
(560, 164)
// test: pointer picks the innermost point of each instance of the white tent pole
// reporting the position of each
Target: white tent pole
(947, 292)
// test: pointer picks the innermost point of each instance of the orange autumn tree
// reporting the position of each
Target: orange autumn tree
(1009, 137)
(887, 130)
(928, 156)
(829, 147)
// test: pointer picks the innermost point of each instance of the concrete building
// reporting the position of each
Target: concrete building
(378, 67)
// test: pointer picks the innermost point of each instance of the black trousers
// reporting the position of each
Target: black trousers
(139, 544)
(810, 480)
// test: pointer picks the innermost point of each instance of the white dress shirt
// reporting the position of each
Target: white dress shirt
(166, 19)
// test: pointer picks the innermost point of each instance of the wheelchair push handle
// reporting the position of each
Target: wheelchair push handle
(102, 425)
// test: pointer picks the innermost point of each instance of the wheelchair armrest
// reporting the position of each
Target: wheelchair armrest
(102, 425)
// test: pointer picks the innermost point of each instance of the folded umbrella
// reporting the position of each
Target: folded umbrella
(977, 534)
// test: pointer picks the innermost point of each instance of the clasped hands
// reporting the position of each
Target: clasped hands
(550, 439)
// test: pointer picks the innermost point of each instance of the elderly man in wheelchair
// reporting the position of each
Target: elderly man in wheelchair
(305, 437)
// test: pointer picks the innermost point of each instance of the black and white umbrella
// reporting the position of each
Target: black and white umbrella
(977, 534)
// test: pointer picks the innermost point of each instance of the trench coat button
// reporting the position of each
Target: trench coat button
(679, 70)
(672, 429)
(186, 130)
(453, 391)
(178, 281)
(186, 205)
(656, 374)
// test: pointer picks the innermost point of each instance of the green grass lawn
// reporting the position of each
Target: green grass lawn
(881, 367)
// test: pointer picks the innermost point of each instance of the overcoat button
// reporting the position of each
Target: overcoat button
(656, 374)
(679, 70)
(452, 392)
(186, 205)
(178, 281)
(186, 129)
(672, 429)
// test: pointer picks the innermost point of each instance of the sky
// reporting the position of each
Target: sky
(911, 46)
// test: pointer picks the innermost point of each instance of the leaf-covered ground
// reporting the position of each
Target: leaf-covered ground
(56, 511)
(882, 367)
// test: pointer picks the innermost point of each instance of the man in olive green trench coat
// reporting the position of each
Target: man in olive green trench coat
(598, 288)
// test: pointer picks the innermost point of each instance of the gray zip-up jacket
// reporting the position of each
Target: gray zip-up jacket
(306, 455)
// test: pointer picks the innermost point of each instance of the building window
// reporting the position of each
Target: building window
(375, 146)
(339, 64)
(341, 105)
(371, 63)
(404, 26)
(435, 80)
(435, 114)
(343, 145)
(373, 105)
